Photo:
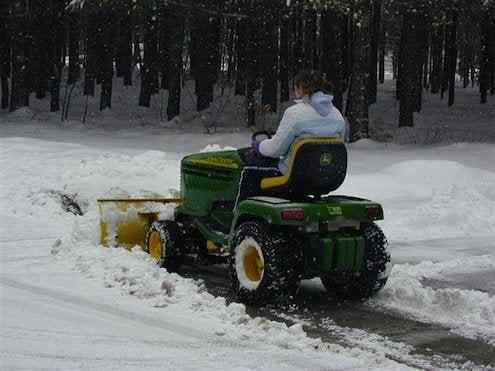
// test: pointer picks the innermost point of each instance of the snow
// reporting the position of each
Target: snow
(468, 312)
(69, 304)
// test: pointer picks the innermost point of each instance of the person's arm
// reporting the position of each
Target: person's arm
(279, 144)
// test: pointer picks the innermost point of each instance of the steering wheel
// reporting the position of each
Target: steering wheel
(256, 136)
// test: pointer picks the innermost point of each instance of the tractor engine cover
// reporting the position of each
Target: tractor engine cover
(208, 179)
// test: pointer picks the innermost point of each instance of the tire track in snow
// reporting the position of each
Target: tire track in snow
(107, 309)
(426, 343)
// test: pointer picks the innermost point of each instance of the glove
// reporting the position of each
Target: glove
(255, 147)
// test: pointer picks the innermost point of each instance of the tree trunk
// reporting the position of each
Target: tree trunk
(332, 27)
(269, 57)
(420, 58)
(410, 66)
(444, 85)
(357, 107)
(4, 64)
(91, 27)
(149, 72)
(426, 61)
(284, 55)
(374, 42)
(74, 36)
(163, 39)
(41, 29)
(205, 56)
(5, 91)
(124, 45)
(107, 59)
(298, 37)
(436, 56)
(381, 54)
(491, 47)
(485, 59)
(252, 60)
(395, 66)
(175, 42)
(229, 47)
(309, 37)
(452, 56)
(19, 94)
(241, 56)
(399, 60)
(57, 58)
(347, 50)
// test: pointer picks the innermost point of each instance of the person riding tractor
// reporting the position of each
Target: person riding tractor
(312, 115)
(267, 210)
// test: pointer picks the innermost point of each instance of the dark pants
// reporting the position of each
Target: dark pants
(255, 170)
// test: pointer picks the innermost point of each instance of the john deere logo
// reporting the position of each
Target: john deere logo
(326, 159)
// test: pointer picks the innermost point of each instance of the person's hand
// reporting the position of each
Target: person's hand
(255, 146)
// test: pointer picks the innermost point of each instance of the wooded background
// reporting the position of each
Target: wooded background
(254, 45)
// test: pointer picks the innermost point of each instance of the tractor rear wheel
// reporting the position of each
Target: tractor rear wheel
(264, 264)
(163, 243)
(374, 275)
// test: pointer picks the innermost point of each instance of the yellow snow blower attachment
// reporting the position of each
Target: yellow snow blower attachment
(125, 222)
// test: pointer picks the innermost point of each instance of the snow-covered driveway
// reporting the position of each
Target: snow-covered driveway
(67, 304)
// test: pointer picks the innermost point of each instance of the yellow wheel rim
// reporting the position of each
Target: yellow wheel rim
(156, 246)
(254, 264)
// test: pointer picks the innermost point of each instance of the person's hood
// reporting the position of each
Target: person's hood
(322, 103)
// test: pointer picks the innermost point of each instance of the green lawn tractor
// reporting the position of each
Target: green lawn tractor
(273, 230)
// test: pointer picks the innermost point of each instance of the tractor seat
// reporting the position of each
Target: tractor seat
(316, 166)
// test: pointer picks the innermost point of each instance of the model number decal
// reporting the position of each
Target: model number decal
(334, 210)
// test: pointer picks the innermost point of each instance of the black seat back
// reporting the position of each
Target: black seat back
(318, 168)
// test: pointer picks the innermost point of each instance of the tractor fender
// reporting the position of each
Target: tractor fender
(253, 209)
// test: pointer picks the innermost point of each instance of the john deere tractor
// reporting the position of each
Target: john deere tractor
(273, 230)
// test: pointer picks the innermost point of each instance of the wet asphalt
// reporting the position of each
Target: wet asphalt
(430, 346)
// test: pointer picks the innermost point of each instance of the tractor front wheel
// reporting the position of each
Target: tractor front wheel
(374, 275)
(264, 264)
(163, 242)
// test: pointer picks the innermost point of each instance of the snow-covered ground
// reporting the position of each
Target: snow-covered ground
(67, 304)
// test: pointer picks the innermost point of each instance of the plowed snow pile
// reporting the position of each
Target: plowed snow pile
(468, 312)
(430, 199)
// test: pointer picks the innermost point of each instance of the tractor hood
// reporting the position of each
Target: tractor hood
(208, 179)
(223, 160)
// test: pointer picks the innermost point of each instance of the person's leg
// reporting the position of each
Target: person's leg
(250, 183)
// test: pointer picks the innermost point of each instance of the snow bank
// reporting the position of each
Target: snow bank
(428, 199)
(468, 312)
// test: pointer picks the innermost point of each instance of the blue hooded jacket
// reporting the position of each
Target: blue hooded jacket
(309, 117)
(322, 103)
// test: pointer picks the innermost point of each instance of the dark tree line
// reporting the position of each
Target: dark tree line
(254, 45)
